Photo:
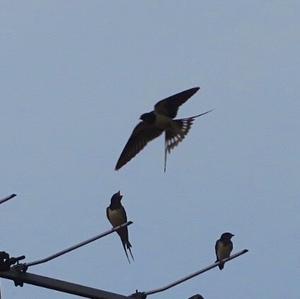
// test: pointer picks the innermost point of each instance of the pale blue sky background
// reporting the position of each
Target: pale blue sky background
(76, 75)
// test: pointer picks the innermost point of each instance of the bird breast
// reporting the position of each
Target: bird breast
(116, 217)
(223, 250)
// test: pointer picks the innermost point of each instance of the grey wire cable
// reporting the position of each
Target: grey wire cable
(179, 281)
(53, 256)
(3, 200)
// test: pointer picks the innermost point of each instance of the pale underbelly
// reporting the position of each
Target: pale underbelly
(116, 217)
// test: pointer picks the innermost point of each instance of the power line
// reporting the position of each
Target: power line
(83, 243)
(179, 281)
(3, 200)
(19, 275)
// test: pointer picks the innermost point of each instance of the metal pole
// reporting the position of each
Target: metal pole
(59, 285)
(53, 256)
(6, 199)
(173, 284)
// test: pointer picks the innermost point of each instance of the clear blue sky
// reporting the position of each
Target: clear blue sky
(76, 75)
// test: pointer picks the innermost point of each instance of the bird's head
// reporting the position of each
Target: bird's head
(227, 236)
(116, 198)
(148, 117)
(197, 296)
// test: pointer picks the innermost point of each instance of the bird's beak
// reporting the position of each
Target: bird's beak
(119, 193)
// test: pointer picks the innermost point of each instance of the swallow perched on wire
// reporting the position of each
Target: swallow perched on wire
(223, 248)
(116, 215)
(160, 120)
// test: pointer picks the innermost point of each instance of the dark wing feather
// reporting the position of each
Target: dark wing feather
(230, 246)
(124, 214)
(216, 249)
(141, 135)
(107, 214)
(169, 106)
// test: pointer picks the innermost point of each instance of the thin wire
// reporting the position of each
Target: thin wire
(6, 199)
(194, 274)
(53, 256)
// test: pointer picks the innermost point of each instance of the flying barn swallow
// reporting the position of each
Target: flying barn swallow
(116, 215)
(160, 120)
(223, 248)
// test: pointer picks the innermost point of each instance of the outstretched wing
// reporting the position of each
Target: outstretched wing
(169, 106)
(141, 135)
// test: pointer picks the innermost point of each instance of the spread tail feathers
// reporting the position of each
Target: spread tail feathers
(174, 137)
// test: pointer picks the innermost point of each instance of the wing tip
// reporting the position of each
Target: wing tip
(118, 166)
(192, 91)
(195, 89)
(121, 162)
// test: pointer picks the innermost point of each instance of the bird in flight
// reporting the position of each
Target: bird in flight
(160, 120)
(223, 248)
(116, 215)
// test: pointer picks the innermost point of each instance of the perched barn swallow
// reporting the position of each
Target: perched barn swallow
(223, 248)
(160, 120)
(116, 215)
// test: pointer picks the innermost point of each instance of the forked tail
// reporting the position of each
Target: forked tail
(126, 252)
(127, 245)
(129, 248)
